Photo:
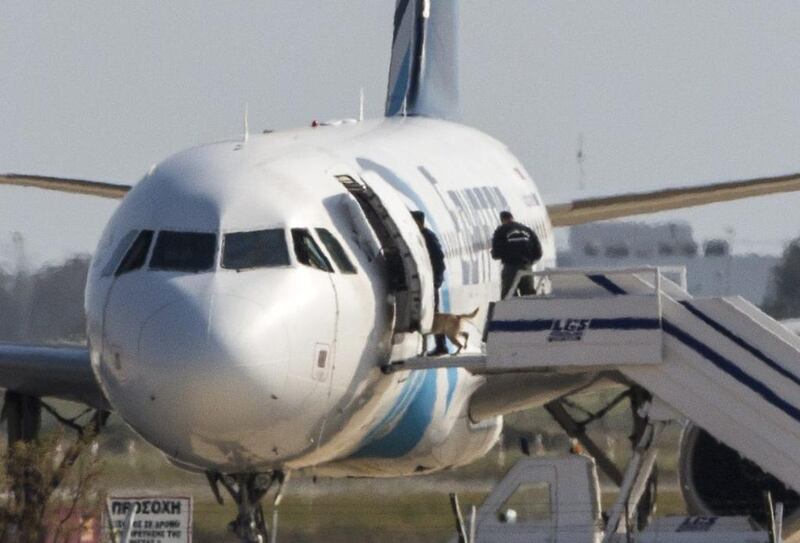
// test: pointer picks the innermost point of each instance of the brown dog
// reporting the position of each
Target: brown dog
(450, 325)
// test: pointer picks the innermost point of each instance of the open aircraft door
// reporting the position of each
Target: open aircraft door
(408, 267)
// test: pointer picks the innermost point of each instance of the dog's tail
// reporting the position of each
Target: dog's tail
(468, 316)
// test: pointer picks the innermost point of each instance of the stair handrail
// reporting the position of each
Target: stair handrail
(547, 273)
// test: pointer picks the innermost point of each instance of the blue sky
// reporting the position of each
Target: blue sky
(661, 94)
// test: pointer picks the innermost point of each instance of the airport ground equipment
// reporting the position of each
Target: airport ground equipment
(557, 500)
(719, 362)
(554, 500)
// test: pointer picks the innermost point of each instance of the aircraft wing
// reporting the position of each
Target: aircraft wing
(624, 205)
(74, 186)
(65, 371)
(62, 372)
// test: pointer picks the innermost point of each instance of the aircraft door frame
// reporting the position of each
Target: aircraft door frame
(408, 267)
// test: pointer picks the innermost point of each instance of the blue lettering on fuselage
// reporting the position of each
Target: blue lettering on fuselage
(475, 212)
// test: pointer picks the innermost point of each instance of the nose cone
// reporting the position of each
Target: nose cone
(223, 331)
(215, 377)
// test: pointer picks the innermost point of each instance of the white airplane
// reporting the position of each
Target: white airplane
(246, 294)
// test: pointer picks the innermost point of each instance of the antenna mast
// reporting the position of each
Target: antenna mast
(246, 127)
(581, 157)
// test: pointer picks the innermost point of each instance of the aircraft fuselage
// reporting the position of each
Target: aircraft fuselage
(229, 356)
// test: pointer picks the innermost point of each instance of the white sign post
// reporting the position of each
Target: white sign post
(157, 519)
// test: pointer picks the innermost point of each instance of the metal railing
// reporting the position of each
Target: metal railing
(542, 277)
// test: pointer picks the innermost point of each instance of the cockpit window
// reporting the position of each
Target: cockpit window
(336, 251)
(308, 252)
(137, 253)
(183, 251)
(259, 249)
(122, 247)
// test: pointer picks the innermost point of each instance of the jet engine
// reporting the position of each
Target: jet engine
(717, 480)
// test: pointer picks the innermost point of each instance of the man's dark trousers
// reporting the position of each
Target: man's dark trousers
(441, 342)
(507, 276)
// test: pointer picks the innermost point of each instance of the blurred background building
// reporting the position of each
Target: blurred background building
(712, 267)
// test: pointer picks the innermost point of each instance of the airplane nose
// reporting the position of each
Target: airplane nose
(214, 370)
(228, 351)
(225, 331)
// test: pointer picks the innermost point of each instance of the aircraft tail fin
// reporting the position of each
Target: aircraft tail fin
(423, 74)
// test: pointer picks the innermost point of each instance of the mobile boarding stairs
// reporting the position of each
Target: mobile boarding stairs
(719, 362)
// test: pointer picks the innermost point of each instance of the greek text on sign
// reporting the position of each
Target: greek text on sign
(156, 519)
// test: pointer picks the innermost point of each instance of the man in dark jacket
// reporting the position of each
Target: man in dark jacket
(518, 248)
(437, 263)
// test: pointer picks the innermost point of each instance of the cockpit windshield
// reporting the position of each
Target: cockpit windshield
(269, 248)
(184, 251)
(137, 254)
(307, 251)
(336, 251)
(258, 249)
